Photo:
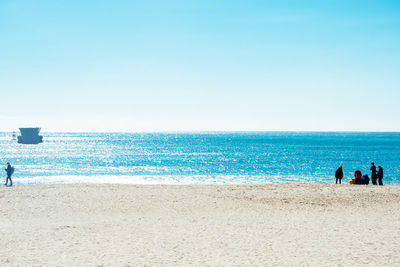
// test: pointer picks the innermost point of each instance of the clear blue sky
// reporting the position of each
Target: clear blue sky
(200, 65)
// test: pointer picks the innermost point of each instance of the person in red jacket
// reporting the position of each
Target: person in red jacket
(357, 177)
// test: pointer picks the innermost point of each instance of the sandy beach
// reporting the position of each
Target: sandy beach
(131, 225)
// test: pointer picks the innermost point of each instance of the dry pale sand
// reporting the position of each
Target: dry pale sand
(131, 225)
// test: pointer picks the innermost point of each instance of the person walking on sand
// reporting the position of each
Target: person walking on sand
(10, 170)
(373, 173)
(380, 175)
(339, 174)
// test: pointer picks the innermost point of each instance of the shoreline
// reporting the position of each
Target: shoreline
(17, 184)
(128, 225)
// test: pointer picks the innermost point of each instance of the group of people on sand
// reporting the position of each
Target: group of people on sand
(376, 176)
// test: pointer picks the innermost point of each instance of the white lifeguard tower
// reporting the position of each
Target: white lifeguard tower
(30, 136)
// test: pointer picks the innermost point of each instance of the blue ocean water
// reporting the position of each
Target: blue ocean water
(200, 158)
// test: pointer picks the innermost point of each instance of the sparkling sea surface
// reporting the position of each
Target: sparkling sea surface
(200, 158)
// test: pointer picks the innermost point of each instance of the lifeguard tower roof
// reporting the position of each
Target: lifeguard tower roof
(30, 136)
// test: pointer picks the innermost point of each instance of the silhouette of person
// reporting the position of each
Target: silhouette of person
(373, 173)
(9, 171)
(339, 174)
(357, 177)
(380, 175)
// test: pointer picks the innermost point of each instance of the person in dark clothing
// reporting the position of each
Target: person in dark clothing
(373, 173)
(357, 177)
(380, 175)
(339, 174)
(365, 179)
(9, 171)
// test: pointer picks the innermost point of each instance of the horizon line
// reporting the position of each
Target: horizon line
(218, 131)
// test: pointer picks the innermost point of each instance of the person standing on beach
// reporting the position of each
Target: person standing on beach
(10, 170)
(380, 175)
(339, 174)
(373, 173)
